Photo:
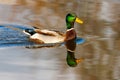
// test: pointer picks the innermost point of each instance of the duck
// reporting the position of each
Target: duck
(52, 36)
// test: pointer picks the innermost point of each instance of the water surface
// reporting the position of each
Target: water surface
(101, 51)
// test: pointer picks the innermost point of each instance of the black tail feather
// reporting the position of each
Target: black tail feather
(30, 31)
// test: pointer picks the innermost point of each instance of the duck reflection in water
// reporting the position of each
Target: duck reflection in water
(71, 46)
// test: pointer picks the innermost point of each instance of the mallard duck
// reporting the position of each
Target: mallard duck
(49, 36)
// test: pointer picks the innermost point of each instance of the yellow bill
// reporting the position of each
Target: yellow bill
(79, 21)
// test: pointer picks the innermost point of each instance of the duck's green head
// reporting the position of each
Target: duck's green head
(71, 60)
(70, 19)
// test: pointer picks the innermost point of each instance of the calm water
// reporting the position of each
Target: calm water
(101, 50)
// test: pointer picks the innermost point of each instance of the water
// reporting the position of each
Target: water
(100, 29)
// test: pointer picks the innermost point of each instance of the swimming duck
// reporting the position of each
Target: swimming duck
(49, 36)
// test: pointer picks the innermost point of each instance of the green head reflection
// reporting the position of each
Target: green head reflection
(71, 60)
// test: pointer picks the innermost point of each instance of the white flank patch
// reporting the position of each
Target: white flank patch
(48, 39)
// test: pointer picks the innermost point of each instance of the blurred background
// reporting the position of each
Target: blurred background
(102, 56)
